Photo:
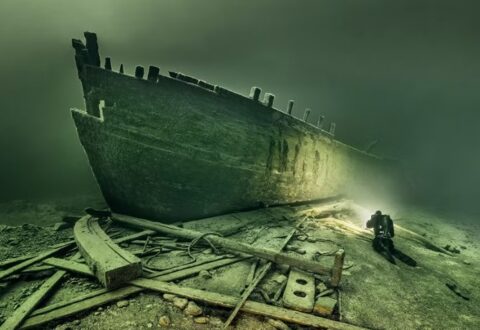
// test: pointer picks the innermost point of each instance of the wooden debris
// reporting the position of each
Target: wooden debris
(300, 291)
(325, 306)
(69, 265)
(13, 261)
(111, 264)
(457, 289)
(253, 284)
(337, 268)
(228, 244)
(104, 296)
(411, 235)
(279, 292)
(26, 308)
(251, 274)
(14, 321)
(24, 264)
(249, 306)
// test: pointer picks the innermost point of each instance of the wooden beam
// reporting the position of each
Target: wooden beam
(111, 264)
(226, 243)
(69, 265)
(24, 264)
(103, 296)
(249, 306)
(13, 261)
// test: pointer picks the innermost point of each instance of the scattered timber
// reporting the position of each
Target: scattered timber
(111, 264)
(13, 261)
(69, 265)
(104, 296)
(24, 264)
(226, 243)
(14, 321)
(19, 315)
(253, 284)
(249, 306)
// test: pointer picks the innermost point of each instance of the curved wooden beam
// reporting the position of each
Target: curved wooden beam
(111, 264)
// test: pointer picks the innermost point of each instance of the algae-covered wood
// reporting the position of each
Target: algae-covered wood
(175, 149)
(110, 263)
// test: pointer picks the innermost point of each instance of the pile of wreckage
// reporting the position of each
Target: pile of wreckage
(128, 255)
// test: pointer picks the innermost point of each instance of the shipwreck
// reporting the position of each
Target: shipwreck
(176, 148)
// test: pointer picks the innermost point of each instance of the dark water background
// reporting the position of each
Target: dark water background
(405, 73)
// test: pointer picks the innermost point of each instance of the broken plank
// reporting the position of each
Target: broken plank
(103, 296)
(252, 285)
(249, 306)
(111, 264)
(69, 265)
(32, 301)
(226, 243)
(24, 264)
(13, 261)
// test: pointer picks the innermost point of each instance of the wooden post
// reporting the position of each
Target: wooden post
(306, 114)
(255, 93)
(153, 72)
(290, 106)
(320, 121)
(268, 99)
(332, 128)
(139, 72)
(337, 268)
(108, 64)
(92, 47)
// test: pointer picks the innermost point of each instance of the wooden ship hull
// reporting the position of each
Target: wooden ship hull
(172, 148)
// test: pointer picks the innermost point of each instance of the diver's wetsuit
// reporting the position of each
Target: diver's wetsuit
(382, 226)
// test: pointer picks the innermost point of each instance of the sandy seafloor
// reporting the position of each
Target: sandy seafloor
(374, 293)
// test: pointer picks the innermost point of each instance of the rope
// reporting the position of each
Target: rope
(204, 237)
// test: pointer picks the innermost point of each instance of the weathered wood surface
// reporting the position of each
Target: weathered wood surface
(337, 268)
(228, 244)
(111, 264)
(24, 264)
(14, 320)
(13, 261)
(300, 291)
(253, 284)
(253, 307)
(69, 265)
(104, 296)
(247, 153)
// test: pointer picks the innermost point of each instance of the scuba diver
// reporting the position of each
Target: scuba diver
(383, 230)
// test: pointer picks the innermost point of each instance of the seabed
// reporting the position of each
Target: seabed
(442, 292)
